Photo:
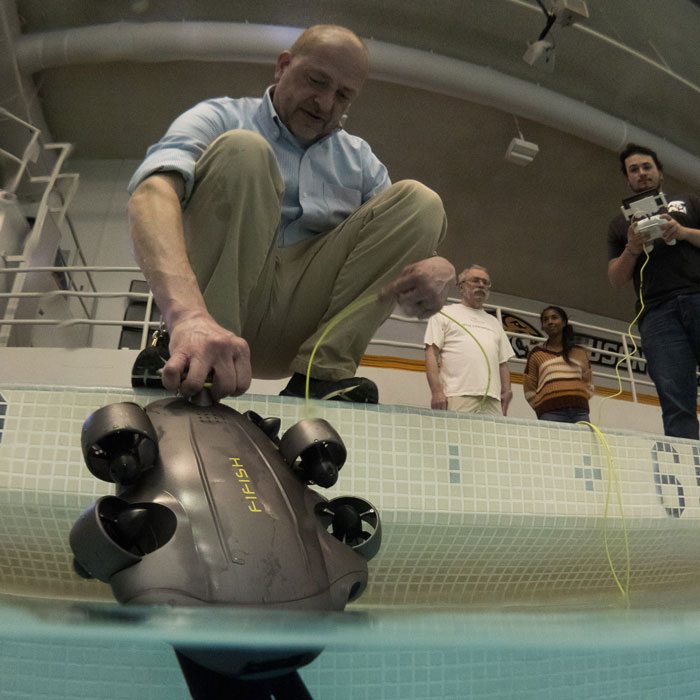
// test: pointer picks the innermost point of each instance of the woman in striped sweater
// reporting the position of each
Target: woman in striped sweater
(558, 380)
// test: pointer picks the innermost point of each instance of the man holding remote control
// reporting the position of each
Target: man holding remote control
(670, 320)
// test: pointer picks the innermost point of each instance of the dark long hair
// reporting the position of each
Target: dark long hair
(567, 334)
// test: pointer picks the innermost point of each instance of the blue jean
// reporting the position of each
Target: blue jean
(567, 415)
(671, 343)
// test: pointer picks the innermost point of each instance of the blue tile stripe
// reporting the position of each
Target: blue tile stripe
(588, 474)
(454, 465)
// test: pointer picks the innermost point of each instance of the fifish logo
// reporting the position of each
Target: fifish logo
(247, 490)
(3, 413)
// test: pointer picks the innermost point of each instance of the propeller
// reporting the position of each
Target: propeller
(354, 522)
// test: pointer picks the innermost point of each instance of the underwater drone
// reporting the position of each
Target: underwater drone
(213, 508)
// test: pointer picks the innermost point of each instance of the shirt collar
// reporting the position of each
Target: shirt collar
(277, 127)
(268, 115)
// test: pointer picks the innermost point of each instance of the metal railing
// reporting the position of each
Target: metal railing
(43, 242)
(89, 319)
(30, 152)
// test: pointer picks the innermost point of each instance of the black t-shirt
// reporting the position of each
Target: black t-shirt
(672, 269)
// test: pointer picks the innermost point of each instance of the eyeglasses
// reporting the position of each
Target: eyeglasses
(479, 280)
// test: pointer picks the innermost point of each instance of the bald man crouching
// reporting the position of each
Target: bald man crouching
(256, 220)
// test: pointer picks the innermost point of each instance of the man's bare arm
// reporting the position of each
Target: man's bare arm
(438, 399)
(197, 343)
(621, 268)
(506, 392)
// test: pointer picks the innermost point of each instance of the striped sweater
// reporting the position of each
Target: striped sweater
(551, 384)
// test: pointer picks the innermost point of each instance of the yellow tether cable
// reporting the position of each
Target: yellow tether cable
(629, 333)
(613, 476)
(344, 313)
(369, 300)
(612, 472)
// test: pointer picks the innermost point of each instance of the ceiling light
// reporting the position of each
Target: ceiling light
(521, 152)
(568, 12)
(540, 54)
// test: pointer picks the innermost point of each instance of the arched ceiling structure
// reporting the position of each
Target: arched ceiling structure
(448, 91)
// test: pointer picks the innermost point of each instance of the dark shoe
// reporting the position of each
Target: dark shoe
(353, 389)
(149, 362)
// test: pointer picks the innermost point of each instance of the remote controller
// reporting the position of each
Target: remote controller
(654, 226)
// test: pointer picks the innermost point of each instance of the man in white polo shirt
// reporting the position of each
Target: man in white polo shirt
(468, 371)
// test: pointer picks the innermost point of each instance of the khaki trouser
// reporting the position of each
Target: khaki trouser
(474, 404)
(280, 299)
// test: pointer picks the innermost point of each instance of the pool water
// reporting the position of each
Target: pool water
(58, 649)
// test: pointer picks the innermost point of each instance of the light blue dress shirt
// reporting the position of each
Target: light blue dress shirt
(324, 183)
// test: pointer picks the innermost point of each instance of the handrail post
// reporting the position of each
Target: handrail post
(146, 320)
(35, 246)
